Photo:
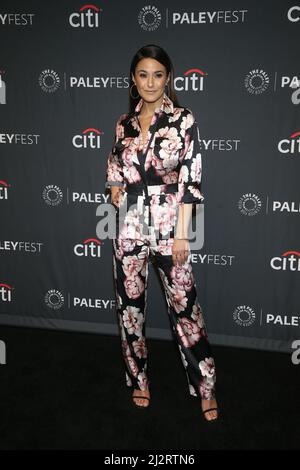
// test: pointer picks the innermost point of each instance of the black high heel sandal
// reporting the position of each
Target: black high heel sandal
(211, 409)
(143, 398)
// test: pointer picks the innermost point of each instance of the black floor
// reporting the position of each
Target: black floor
(63, 390)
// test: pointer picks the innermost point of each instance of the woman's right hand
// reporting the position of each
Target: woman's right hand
(116, 193)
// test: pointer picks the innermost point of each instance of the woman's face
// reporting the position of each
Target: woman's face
(150, 79)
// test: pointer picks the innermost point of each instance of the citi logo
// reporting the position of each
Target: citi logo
(88, 17)
(5, 292)
(288, 261)
(90, 138)
(90, 248)
(4, 189)
(192, 80)
(290, 146)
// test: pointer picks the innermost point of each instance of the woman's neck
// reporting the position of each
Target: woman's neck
(149, 108)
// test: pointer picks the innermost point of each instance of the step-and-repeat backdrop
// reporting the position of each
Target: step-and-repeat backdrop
(64, 81)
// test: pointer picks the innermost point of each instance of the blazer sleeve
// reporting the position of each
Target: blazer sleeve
(190, 172)
(114, 170)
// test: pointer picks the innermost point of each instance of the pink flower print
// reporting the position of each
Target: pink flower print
(113, 172)
(207, 367)
(195, 192)
(197, 315)
(206, 389)
(132, 265)
(164, 280)
(163, 217)
(127, 244)
(132, 175)
(184, 174)
(184, 361)
(170, 177)
(182, 276)
(133, 319)
(142, 381)
(120, 129)
(129, 359)
(178, 299)
(134, 286)
(132, 366)
(192, 390)
(131, 226)
(158, 165)
(164, 249)
(125, 348)
(171, 199)
(128, 380)
(127, 155)
(140, 348)
(119, 252)
(122, 330)
(188, 121)
(196, 168)
(175, 297)
(189, 332)
(167, 133)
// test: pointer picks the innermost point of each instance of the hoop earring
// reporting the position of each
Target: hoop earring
(134, 97)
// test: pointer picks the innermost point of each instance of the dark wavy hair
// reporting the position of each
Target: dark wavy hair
(154, 52)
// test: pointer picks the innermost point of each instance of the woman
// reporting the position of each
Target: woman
(154, 174)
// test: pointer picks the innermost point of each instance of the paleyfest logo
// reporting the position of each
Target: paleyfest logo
(149, 18)
(52, 195)
(249, 204)
(54, 299)
(49, 81)
(257, 81)
(244, 315)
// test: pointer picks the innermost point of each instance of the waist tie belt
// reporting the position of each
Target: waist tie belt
(139, 189)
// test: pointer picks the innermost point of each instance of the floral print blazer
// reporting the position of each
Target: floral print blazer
(173, 156)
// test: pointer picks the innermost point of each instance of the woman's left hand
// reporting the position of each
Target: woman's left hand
(180, 251)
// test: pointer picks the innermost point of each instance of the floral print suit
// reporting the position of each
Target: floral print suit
(155, 181)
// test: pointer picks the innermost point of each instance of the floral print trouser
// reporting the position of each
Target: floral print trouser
(130, 263)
